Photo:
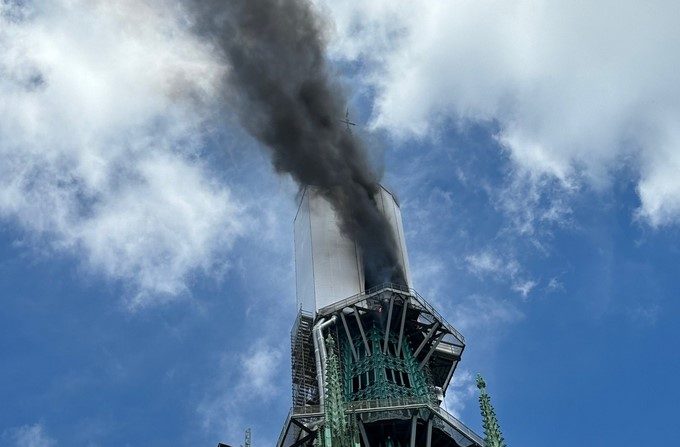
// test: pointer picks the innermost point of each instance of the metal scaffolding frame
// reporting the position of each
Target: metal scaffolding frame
(391, 327)
(435, 343)
(303, 368)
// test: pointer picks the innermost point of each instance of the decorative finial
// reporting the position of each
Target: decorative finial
(481, 384)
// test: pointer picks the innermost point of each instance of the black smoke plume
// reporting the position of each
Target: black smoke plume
(289, 102)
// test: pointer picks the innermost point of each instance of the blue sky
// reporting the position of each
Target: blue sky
(146, 243)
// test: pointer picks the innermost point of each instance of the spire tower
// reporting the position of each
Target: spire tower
(371, 363)
(492, 430)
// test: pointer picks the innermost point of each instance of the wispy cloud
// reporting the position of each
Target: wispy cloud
(28, 436)
(644, 314)
(488, 263)
(533, 205)
(554, 284)
(483, 313)
(461, 392)
(524, 287)
(260, 371)
(246, 381)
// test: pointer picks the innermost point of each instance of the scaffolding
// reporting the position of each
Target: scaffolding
(391, 358)
(303, 367)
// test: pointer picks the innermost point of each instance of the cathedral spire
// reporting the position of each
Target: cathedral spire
(492, 431)
(336, 420)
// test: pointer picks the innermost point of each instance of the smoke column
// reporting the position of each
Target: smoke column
(288, 101)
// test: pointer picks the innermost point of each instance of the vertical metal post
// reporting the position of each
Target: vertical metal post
(349, 337)
(387, 328)
(449, 376)
(320, 355)
(361, 329)
(414, 423)
(429, 433)
(401, 327)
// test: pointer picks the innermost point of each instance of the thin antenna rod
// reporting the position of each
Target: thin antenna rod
(347, 122)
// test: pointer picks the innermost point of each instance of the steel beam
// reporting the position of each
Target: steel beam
(361, 329)
(414, 424)
(301, 425)
(349, 337)
(387, 328)
(282, 438)
(434, 346)
(401, 327)
(449, 375)
(304, 440)
(362, 430)
(426, 339)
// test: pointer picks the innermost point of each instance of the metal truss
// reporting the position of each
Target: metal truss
(390, 329)
(425, 422)
(435, 343)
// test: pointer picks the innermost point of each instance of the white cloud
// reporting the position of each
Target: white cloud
(260, 371)
(427, 272)
(255, 380)
(102, 107)
(659, 188)
(483, 313)
(554, 284)
(461, 391)
(158, 231)
(533, 205)
(524, 287)
(29, 436)
(578, 89)
(489, 263)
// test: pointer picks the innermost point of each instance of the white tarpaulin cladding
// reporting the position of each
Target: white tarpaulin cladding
(329, 266)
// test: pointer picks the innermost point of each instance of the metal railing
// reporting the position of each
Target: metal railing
(414, 402)
(331, 308)
(458, 425)
(423, 302)
(307, 410)
(284, 429)
(298, 319)
(399, 288)
(388, 285)
(387, 404)
(400, 403)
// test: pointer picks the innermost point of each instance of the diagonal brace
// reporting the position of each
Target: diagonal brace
(426, 339)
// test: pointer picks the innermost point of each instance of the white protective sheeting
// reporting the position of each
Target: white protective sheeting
(328, 265)
(390, 208)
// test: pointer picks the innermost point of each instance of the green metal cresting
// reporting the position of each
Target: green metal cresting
(382, 375)
(492, 430)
